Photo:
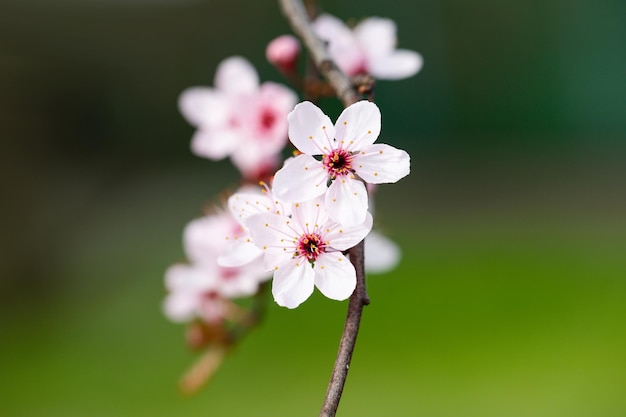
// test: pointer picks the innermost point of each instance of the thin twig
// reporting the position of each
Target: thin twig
(296, 14)
(358, 300)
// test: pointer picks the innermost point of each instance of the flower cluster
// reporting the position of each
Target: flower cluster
(202, 288)
(309, 212)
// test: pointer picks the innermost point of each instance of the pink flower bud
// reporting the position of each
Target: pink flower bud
(283, 52)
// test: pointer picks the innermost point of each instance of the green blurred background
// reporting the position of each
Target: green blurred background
(511, 297)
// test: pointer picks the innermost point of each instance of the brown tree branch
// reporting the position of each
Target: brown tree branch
(296, 14)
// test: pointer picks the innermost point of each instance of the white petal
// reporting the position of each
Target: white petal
(381, 254)
(335, 276)
(310, 214)
(382, 163)
(301, 178)
(206, 237)
(244, 205)
(186, 284)
(236, 75)
(180, 307)
(342, 237)
(329, 27)
(401, 64)
(310, 130)
(202, 106)
(240, 253)
(293, 283)
(377, 36)
(241, 282)
(191, 278)
(343, 46)
(215, 143)
(358, 125)
(271, 231)
(346, 201)
(273, 258)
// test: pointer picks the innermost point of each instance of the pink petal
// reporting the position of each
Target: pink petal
(358, 125)
(310, 130)
(253, 161)
(293, 283)
(401, 64)
(301, 178)
(382, 163)
(203, 107)
(377, 36)
(335, 276)
(342, 237)
(346, 201)
(279, 96)
(236, 75)
(215, 143)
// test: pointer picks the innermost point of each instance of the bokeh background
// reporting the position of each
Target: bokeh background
(511, 297)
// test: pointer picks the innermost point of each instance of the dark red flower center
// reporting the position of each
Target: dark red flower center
(267, 120)
(310, 246)
(338, 163)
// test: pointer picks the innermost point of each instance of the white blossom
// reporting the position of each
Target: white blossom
(347, 150)
(305, 251)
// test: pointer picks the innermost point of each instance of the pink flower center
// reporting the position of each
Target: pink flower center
(310, 246)
(267, 119)
(338, 163)
(228, 274)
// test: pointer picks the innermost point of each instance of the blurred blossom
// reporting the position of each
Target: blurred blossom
(381, 254)
(369, 48)
(199, 289)
(239, 118)
(246, 202)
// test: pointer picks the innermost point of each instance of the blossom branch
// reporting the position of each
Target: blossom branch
(296, 14)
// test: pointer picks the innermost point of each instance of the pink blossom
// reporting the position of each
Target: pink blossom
(239, 118)
(201, 287)
(370, 48)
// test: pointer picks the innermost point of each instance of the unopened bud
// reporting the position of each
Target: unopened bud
(283, 53)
